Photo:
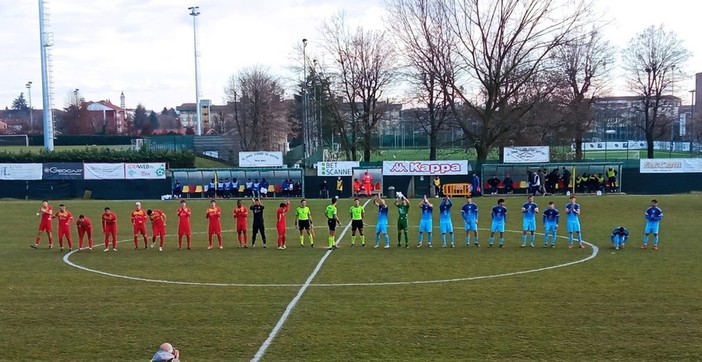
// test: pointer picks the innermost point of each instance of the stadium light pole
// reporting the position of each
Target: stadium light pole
(194, 12)
(31, 111)
(305, 121)
(692, 120)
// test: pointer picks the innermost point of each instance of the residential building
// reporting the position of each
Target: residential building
(188, 115)
(112, 116)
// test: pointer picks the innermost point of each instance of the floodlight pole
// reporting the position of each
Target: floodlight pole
(194, 12)
(31, 111)
(45, 43)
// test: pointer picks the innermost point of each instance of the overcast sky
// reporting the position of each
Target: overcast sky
(145, 47)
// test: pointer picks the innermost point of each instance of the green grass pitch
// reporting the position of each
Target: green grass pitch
(624, 305)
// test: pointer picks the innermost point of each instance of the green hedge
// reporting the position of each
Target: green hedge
(175, 159)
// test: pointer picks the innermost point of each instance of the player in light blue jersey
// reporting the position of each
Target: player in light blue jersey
(619, 237)
(499, 218)
(445, 223)
(381, 227)
(572, 210)
(653, 217)
(551, 217)
(469, 212)
(529, 211)
(425, 222)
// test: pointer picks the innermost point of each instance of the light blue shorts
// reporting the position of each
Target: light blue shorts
(381, 228)
(446, 227)
(470, 225)
(497, 227)
(651, 227)
(425, 226)
(550, 227)
(529, 224)
(573, 226)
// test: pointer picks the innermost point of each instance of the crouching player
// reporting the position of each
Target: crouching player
(619, 237)
(109, 227)
(85, 228)
(158, 227)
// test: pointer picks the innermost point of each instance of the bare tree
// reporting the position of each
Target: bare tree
(364, 67)
(502, 48)
(581, 63)
(650, 60)
(259, 111)
(426, 45)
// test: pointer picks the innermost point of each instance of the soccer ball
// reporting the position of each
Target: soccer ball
(398, 194)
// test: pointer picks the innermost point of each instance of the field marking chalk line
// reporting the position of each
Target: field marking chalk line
(267, 343)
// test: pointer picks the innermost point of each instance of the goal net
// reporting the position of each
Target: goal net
(14, 140)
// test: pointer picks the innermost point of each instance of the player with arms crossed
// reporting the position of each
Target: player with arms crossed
(445, 222)
(425, 222)
(241, 215)
(331, 213)
(158, 227)
(303, 221)
(381, 227)
(619, 237)
(85, 228)
(184, 229)
(402, 210)
(653, 217)
(529, 211)
(499, 218)
(65, 218)
(109, 228)
(357, 213)
(469, 212)
(573, 219)
(214, 227)
(280, 223)
(138, 218)
(551, 218)
(45, 213)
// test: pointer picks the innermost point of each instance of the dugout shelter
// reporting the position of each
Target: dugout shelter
(195, 182)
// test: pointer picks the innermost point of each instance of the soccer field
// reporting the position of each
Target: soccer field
(395, 304)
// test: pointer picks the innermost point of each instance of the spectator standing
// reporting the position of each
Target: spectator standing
(367, 183)
(339, 187)
(227, 188)
(565, 176)
(324, 190)
(493, 182)
(248, 191)
(256, 188)
(477, 189)
(211, 188)
(612, 179)
(509, 184)
(437, 186)
(356, 188)
(177, 189)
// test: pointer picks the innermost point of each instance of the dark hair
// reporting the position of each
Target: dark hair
(621, 228)
(500, 201)
(44, 201)
(572, 197)
(81, 217)
(550, 202)
(654, 201)
(333, 200)
(282, 204)
(62, 205)
(107, 208)
(303, 200)
(149, 212)
(182, 201)
(213, 200)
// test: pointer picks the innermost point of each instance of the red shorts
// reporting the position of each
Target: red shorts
(159, 230)
(110, 230)
(64, 232)
(88, 231)
(184, 230)
(214, 229)
(45, 225)
(139, 229)
(240, 226)
(281, 228)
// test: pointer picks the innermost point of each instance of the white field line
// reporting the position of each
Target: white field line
(264, 347)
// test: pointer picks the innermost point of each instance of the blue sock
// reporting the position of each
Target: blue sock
(443, 239)
(655, 240)
(387, 239)
(467, 240)
(645, 241)
(377, 239)
(533, 237)
(546, 238)
(502, 240)
(492, 240)
(475, 240)
(453, 240)
(554, 238)
(580, 238)
(570, 238)
(523, 239)
(429, 238)
(421, 236)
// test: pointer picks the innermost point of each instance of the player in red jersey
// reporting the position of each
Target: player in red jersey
(158, 227)
(139, 218)
(45, 213)
(85, 228)
(109, 227)
(241, 214)
(184, 214)
(65, 218)
(280, 223)
(367, 183)
(213, 215)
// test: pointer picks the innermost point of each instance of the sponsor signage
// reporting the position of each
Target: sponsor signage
(151, 170)
(20, 171)
(670, 165)
(104, 171)
(260, 159)
(527, 154)
(340, 168)
(425, 168)
(62, 171)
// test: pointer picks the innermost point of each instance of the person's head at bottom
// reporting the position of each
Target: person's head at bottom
(166, 353)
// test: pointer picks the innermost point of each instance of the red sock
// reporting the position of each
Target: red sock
(80, 242)
(37, 240)
(146, 241)
(187, 238)
(219, 240)
(136, 242)
(209, 240)
(107, 241)
(180, 241)
(90, 243)
(60, 241)
(114, 241)
(70, 243)
(161, 242)
(51, 239)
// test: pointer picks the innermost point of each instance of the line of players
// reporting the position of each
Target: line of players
(303, 221)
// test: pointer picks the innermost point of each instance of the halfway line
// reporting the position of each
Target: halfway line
(264, 347)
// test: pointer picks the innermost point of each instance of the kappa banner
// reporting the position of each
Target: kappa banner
(527, 154)
(340, 168)
(20, 171)
(670, 165)
(425, 168)
(260, 159)
(152, 170)
(104, 171)
(63, 171)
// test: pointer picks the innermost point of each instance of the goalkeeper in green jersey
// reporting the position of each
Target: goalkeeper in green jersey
(402, 210)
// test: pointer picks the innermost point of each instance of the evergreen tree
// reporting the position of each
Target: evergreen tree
(153, 119)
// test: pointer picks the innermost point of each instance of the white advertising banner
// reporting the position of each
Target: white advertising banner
(425, 168)
(260, 159)
(527, 154)
(21, 171)
(670, 165)
(340, 168)
(104, 171)
(150, 170)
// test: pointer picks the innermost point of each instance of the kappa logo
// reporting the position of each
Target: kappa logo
(398, 167)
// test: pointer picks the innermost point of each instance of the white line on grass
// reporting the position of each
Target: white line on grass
(264, 347)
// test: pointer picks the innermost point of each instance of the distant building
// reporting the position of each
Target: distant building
(111, 115)
(621, 117)
(188, 116)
